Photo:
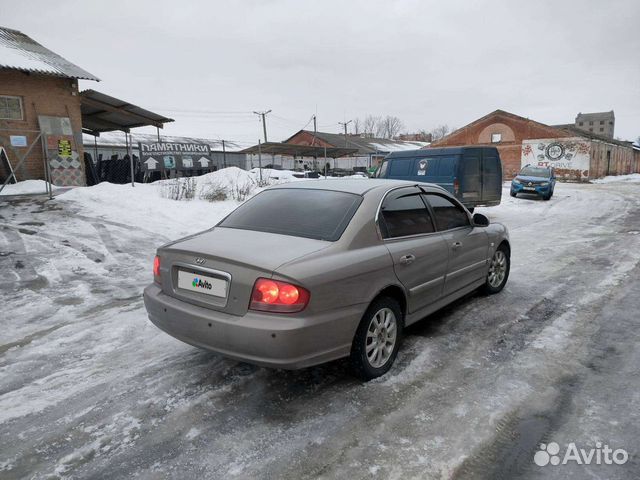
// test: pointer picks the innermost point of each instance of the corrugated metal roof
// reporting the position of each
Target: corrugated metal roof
(20, 52)
(365, 145)
(116, 139)
(104, 113)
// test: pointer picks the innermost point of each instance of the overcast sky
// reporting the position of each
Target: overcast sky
(209, 64)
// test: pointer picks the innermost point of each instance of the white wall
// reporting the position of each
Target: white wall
(570, 157)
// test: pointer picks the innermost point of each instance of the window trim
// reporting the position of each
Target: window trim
(455, 202)
(415, 235)
(21, 119)
(499, 135)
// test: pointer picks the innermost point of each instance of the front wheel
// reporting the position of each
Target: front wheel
(498, 271)
(377, 340)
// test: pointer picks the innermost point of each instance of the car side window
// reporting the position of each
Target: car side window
(404, 213)
(448, 215)
(382, 171)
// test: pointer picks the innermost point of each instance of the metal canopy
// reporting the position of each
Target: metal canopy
(293, 150)
(103, 113)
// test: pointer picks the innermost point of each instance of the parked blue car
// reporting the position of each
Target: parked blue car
(534, 180)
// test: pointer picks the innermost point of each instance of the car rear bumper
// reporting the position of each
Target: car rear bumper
(271, 340)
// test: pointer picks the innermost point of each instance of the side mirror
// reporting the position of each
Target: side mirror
(480, 220)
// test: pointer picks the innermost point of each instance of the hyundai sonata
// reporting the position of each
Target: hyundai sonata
(308, 272)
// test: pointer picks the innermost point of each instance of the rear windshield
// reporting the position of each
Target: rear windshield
(309, 213)
(535, 172)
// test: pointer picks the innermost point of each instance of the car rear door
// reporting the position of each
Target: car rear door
(467, 245)
(419, 252)
(491, 176)
(471, 184)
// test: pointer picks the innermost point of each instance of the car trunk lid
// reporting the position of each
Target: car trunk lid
(217, 268)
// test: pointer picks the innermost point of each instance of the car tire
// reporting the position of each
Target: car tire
(498, 273)
(382, 323)
(512, 193)
(547, 197)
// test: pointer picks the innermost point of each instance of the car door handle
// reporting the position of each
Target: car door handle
(456, 245)
(407, 259)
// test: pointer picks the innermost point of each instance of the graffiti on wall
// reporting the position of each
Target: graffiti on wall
(569, 157)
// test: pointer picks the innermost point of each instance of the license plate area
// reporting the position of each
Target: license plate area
(529, 189)
(203, 283)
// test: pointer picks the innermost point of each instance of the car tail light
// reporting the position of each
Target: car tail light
(456, 186)
(156, 269)
(274, 296)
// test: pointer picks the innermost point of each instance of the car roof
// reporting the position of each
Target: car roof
(435, 151)
(359, 187)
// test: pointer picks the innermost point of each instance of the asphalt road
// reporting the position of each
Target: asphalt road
(90, 389)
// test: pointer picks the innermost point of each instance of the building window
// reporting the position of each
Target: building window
(610, 123)
(590, 123)
(591, 129)
(10, 108)
(601, 122)
(601, 129)
(496, 137)
(581, 123)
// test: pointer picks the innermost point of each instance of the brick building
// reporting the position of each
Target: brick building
(39, 111)
(600, 123)
(369, 150)
(575, 154)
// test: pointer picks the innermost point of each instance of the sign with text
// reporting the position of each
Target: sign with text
(18, 140)
(156, 157)
(570, 157)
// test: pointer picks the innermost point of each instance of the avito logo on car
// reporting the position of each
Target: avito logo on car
(197, 283)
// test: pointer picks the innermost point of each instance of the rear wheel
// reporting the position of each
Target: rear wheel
(377, 340)
(512, 193)
(498, 271)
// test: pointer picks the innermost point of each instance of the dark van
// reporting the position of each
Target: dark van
(472, 174)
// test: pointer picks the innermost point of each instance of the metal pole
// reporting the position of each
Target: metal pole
(158, 132)
(264, 122)
(325, 162)
(224, 155)
(130, 153)
(260, 161)
(345, 131)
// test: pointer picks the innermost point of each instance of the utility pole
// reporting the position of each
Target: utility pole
(224, 155)
(315, 131)
(264, 122)
(260, 161)
(345, 130)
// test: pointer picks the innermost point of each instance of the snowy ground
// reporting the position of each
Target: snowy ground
(89, 388)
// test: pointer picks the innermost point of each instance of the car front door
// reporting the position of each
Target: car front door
(419, 252)
(467, 245)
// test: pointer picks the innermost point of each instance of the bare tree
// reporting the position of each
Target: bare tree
(390, 126)
(370, 125)
(378, 126)
(357, 126)
(440, 131)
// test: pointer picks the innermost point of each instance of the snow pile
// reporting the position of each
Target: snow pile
(143, 207)
(275, 176)
(631, 178)
(26, 187)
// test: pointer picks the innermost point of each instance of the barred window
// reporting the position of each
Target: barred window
(10, 108)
